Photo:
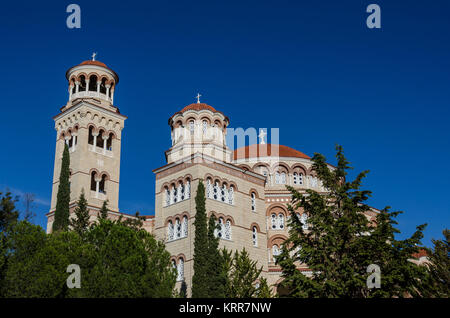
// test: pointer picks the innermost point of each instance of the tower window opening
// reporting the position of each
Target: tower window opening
(109, 141)
(102, 184)
(82, 87)
(103, 86)
(91, 136)
(93, 83)
(100, 139)
(93, 182)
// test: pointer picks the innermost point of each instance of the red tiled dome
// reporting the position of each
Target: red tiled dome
(97, 63)
(254, 151)
(198, 107)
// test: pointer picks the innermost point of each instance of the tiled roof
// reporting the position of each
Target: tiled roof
(267, 150)
(97, 63)
(198, 107)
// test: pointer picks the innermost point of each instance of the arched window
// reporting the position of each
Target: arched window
(209, 189)
(102, 184)
(180, 270)
(109, 141)
(170, 231)
(100, 138)
(180, 192)
(91, 136)
(281, 221)
(253, 202)
(204, 127)
(187, 191)
(228, 230)
(217, 191)
(175, 193)
(93, 83)
(224, 193)
(283, 178)
(191, 126)
(275, 251)
(295, 175)
(274, 221)
(231, 195)
(277, 178)
(93, 182)
(219, 230)
(255, 236)
(167, 196)
(185, 226)
(177, 228)
(82, 86)
(103, 86)
(300, 178)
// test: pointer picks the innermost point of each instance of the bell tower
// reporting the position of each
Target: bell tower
(91, 125)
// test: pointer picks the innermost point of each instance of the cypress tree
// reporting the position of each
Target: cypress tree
(81, 223)
(200, 278)
(216, 276)
(103, 214)
(61, 221)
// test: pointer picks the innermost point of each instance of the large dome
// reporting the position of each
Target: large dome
(265, 150)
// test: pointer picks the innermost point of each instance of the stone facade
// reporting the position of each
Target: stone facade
(245, 188)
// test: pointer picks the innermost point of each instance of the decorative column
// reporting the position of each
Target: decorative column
(97, 186)
(77, 87)
(108, 86)
(105, 139)
(70, 91)
(98, 88)
(87, 87)
(95, 134)
(112, 95)
(74, 141)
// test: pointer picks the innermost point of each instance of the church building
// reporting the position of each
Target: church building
(245, 187)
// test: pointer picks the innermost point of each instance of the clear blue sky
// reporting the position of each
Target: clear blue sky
(311, 68)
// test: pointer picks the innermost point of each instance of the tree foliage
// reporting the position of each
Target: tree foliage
(340, 242)
(61, 221)
(103, 214)
(115, 261)
(439, 267)
(201, 262)
(80, 223)
(242, 276)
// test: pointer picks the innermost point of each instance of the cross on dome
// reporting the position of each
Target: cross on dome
(261, 136)
(94, 55)
(198, 98)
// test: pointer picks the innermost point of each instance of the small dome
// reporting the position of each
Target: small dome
(97, 63)
(199, 107)
(253, 151)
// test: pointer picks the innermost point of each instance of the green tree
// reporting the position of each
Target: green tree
(38, 262)
(264, 289)
(81, 221)
(8, 218)
(340, 243)
(439, 267)
(103, 214)
(127, 263)
(61, 221)
(8, 212)
(201, 262)
(242, 275)
(216, 276)
(115, 261)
